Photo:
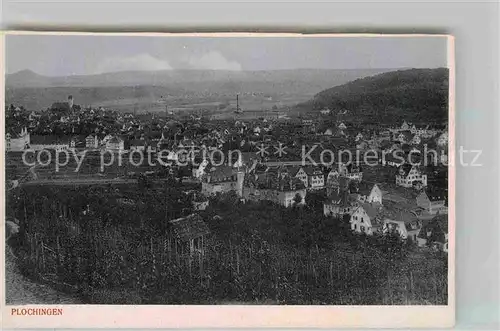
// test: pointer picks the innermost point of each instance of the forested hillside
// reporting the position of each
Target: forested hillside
(417, 95)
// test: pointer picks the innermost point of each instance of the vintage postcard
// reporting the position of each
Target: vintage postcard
(227, 180)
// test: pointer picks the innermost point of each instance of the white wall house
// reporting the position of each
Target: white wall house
(316, 178)
(366, 218)
(92, 141)
(115, 144)
(443, 139)
(302, 175)
(404, 224)
(433, 202)
(375, 195)
(409, 175)
(351, 171)
(332, 177)
(325, 111)
(17, 143)
(416, 140)
(57, 143)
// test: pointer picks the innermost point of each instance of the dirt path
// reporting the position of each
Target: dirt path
(19, 290)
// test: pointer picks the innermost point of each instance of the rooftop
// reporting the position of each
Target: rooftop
(190, 227)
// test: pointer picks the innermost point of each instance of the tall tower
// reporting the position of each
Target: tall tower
(70, 102)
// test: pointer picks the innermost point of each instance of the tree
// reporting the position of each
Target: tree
(297, 199)
(353, 186)
(143, 182)
(314, 200)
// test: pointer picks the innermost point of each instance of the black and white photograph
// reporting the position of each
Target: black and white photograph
(227, 170)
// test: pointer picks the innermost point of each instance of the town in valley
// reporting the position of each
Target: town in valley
(339, 197)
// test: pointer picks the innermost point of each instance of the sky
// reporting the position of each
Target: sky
(54, 55)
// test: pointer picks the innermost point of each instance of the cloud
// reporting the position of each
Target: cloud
(141, 62)
(213, 61)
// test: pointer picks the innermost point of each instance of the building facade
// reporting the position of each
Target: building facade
(409, 175)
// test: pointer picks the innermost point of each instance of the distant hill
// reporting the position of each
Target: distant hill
(418, 95)
(35, 91)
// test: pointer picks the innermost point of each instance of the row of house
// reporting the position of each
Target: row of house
(251, 184)
(369, 219)
(341, 200)
(115, 143)
(276, 187)
(369, 213)
(223, 179)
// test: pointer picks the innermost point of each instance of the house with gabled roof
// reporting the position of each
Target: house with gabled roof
(416, 140)
(222, 179)
(138, 145)
(351, 171)
(403, 223)
(270, 186)
(186, 144)
(325, 111)
(56, 142)
(367, 218)
(188, 235)
(393, 159)
(332, 177)
(405, 126)
(116, 144)
(341, 183)
(410, 175)
(362, 145)
(300, 173)
(92, 141)
(337, 203)
(15, 141)
(434, 233)
(404, 137)
(369, 193)
(77, 141)
(315, 177)
(433, 201)
(329, 132)
(442, 140)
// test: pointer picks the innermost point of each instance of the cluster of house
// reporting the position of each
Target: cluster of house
(423, 221)
(27, 141)
(254, 184)
(369, 209)
(253, 180)
(406, 134)
(409, 134)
